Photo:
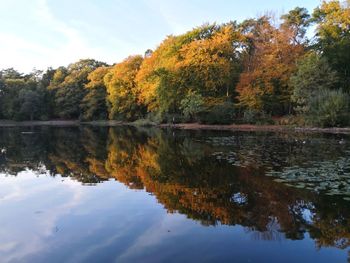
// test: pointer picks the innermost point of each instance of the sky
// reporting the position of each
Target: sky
(51, 33)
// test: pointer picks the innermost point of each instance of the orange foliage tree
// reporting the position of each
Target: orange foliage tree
(269, 60)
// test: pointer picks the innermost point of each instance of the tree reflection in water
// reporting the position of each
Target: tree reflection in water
(210, 178)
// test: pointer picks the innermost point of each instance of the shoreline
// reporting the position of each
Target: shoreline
(179, 126)
(252, 127)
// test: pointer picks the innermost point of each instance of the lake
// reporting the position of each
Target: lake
(122, 194)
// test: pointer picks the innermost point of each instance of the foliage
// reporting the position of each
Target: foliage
(292, 120)
(313, 74)
(297, 21)
(211, 65)
(204, 60)
(220, 113)
(262, 67)
(21, 97)
(333, 36)
(191, 104)
(269, 60)
(122, 93)
(30, 103)
(252, 116)
(94, 105)
(69, 87)
(329, 108)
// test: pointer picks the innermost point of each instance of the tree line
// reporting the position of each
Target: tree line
(262, 70)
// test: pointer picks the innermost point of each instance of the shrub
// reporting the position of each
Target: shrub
(313, 75)
(329, 108)
(174, 118)
(292, 120)
(251, 116)
(223, 113)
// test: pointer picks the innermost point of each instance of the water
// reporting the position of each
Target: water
(98, 194)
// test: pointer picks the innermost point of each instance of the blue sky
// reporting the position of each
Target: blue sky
(43, 33)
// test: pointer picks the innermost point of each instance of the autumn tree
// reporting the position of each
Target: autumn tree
(69, 86)
(211, 65)
(122, 92)
(204, 60)
(269, 60)
(94, 104)
(156, 72)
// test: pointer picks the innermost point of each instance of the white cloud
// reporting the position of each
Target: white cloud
(66, 44)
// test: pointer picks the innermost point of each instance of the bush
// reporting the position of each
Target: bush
(223, 113)
(329, 108)
(292, 120)
(251, 116)
(175, 118)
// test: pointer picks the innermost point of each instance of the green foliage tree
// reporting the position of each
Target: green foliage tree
(22, 98)
(297, 21)
(191, 104)
(69, 87)
(313, 75)
(94, 105)
(10, 102)
(329, 108)
(333, 36)
(30, 104)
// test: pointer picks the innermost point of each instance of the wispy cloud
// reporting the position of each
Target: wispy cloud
(64, 44)
(42, 33)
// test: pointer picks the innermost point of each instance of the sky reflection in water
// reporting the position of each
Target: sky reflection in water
(125, 195)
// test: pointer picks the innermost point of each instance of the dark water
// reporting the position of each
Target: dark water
(97, 194)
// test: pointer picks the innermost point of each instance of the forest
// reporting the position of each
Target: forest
(291, 70)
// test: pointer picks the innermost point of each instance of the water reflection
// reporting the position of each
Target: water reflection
(213, 178)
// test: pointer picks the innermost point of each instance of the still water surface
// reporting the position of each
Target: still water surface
(99, 194)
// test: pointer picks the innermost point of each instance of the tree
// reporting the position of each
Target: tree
(10, 73)
(22, 98)
(94, 104)
(269, 60)
(205, 59)
(297, 20)
(30, 104)
(312, 76)
(333, 37)
(48, 94)
(2, 92)
(191, 104)
(329, 108)
(155, 71)
(70, 89)
(211, 65)
(10, 102)
(122, 92)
